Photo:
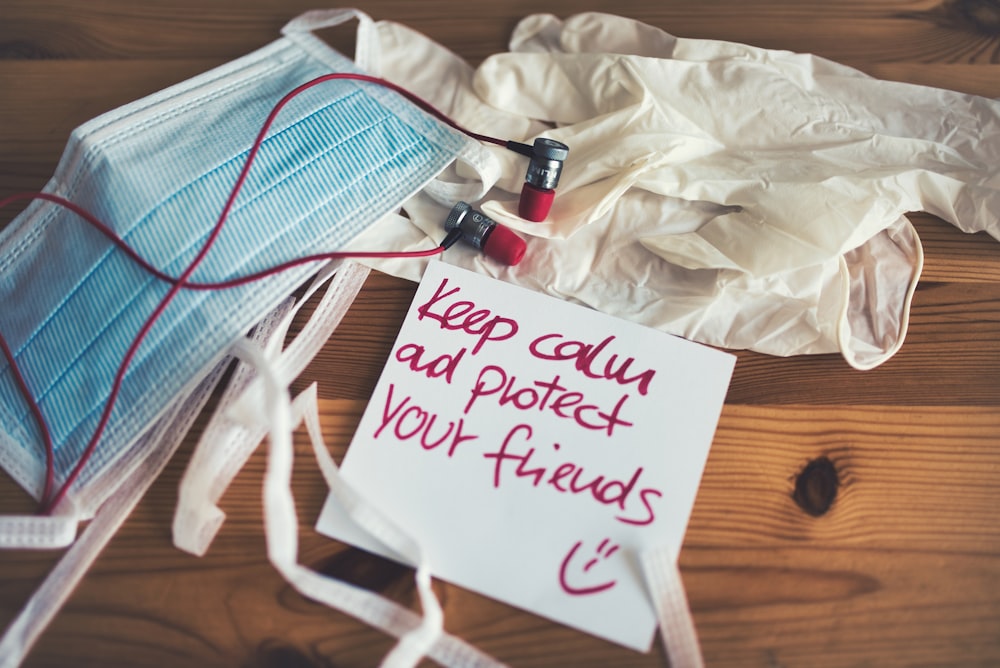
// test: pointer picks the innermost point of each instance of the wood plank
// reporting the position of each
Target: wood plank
(950, 347)
(803, 607)
(952, 256)
(910, 477)
(54, 96)
(905, 566)
(902, 568)
(953, 331)
(955, 31)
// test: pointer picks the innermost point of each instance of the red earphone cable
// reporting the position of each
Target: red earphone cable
(49, 499)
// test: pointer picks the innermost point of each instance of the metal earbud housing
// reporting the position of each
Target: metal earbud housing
(546, 163)
(481, 231)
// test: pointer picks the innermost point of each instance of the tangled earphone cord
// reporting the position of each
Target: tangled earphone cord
(51, 498)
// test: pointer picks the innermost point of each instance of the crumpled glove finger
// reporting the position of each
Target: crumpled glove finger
(596, 98)
(590, 32)
(439, 76)
(585, 203)
(856, 305)
(596, 32)
(817, 164)
(537, 33)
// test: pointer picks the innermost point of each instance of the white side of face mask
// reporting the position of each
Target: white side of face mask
(132, 468)
(292, 205)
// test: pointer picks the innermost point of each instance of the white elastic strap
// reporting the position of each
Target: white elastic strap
(226, 444)
(221, 451)
(418, 636)
(366, 49)
(49, 598)
(416, 643)
(367, 56)
(680, 638)
(37, 532)
(487, 169)
(282, 524)
(348, 279)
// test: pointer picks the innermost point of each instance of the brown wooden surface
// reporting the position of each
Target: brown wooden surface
(903, 569)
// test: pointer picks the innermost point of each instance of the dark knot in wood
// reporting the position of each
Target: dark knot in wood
(274, 653)
(983, 15)
(978, 16)
(816, 486)
(366, 570)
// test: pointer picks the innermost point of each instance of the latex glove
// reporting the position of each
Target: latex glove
(606, 267)
(443, 79)
(813, 158)
(856, 305)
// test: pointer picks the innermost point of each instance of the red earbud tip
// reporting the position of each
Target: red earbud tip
(504, 246)
(535, 203)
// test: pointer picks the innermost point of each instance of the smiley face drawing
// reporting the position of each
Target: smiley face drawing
(585, 582)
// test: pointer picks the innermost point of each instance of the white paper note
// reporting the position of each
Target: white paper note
(535, 448)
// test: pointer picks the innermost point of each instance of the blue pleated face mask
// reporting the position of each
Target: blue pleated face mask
(158, 171)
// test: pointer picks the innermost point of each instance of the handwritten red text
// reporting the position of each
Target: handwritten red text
(548, 395)
(571, 478)
(587, 359)
(412, 354)
(410, 421)
(464, 316)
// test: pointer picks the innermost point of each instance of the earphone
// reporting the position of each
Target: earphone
(478, 229)
(496, 241)
(545, 161)
(546, 157)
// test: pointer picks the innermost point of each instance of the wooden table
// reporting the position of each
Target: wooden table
(902, 569)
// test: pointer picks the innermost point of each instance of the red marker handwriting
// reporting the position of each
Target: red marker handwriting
(586, 356)
(412, 354)
(464, 316)
(583, 581)
(550, 395)
(408, 420)
(516, 460)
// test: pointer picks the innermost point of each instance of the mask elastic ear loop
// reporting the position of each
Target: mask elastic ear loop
(46, 601)
(222, 450)
(663, 578)
(366, 47)
(226, 444)
(418, 636)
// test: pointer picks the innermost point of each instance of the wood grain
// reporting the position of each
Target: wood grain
(902, 568)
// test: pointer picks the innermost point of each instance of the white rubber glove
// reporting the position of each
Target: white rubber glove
(439, 76)
(814, 158)
(855, 303)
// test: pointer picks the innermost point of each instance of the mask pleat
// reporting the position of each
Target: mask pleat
(338, 158)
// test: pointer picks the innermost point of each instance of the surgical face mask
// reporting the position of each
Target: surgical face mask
(338, 157)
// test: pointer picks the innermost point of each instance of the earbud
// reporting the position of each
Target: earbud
(495, 240)
(545, 164)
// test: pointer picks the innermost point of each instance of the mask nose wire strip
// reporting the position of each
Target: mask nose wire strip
(50, 500)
